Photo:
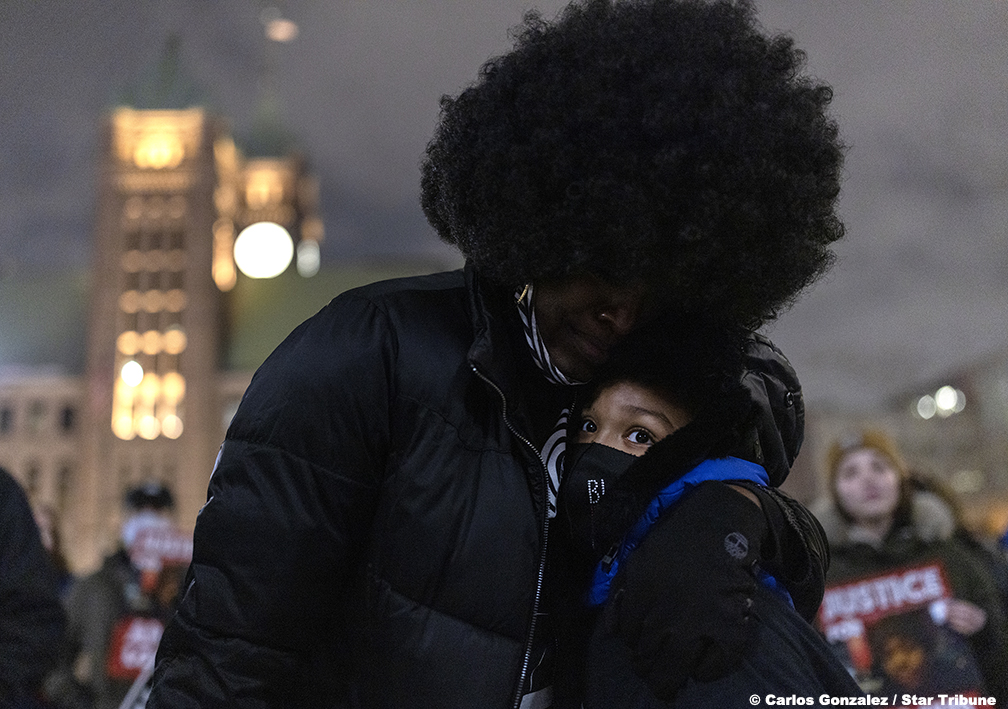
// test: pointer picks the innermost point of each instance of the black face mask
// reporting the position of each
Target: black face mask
(591, 467)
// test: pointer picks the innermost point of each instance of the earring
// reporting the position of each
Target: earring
(524, 292)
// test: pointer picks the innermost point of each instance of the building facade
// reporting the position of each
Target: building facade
(40, 433)
(173, 330)
(154, 401)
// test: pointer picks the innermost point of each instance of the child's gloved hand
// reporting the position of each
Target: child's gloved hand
(682, 601)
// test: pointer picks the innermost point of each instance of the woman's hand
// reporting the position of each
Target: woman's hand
(964, 617)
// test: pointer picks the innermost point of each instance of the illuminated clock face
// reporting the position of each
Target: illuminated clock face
(156, 151)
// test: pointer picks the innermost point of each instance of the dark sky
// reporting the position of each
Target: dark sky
(921, 93)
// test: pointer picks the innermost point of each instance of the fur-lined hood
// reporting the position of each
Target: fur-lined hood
(931, 518)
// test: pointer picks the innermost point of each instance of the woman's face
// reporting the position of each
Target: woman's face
(581, 319)
(629, 418)
(867, 485)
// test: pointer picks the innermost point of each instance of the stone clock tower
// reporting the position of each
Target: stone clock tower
(173, 193)
(154, 333)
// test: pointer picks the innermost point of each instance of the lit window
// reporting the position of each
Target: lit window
(129, 342)
(171, 426)
(148, 427)
(157, 151)
(263, 188)
(174, 340)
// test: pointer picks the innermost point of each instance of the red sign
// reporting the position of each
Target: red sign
(132, 647)
(890, 631)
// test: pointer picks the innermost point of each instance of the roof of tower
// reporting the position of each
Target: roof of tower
(166, 84)
(268, 138)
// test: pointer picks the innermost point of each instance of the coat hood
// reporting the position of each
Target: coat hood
(758, 416)
(931, 519)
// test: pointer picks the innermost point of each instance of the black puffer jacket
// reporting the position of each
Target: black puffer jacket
(374, 530)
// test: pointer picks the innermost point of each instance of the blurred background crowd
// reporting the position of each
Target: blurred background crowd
(86, 640)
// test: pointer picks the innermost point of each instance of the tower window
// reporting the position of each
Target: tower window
(132, 240)
(176, 238)
(68, 419)
(32, 478)
(36, 417)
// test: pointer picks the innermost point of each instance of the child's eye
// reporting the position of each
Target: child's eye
(641, 438)
(588, 426)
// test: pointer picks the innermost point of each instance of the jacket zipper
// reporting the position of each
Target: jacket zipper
(516, 701)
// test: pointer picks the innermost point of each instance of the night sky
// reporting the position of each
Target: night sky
(921, 94)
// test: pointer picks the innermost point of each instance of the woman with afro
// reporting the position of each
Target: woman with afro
(378, 520)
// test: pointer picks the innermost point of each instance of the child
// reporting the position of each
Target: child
(690, 513)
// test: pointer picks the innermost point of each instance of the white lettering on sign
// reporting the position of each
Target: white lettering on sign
(883, 594)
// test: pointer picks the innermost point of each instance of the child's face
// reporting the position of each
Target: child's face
(630, 418)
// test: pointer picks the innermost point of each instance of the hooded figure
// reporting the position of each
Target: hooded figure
(696, 411)
(117, 613)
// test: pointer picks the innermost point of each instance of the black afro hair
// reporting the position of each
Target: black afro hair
(690, 362)
(669, 141)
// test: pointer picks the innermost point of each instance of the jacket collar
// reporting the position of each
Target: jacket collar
(496, 348)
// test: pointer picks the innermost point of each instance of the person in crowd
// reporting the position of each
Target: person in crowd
(48, 521)
(665, 446)
(31, 617)
(378, 520)
(117, 613)
(986, 551)
(877, 522)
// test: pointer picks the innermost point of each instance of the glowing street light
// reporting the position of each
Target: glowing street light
(949, 400)
(946, 401)
(277, 27)
(308, 258)
(263, 250)
(926, 407)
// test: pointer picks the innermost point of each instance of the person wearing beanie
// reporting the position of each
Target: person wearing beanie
(377, 524)
(881, 526)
